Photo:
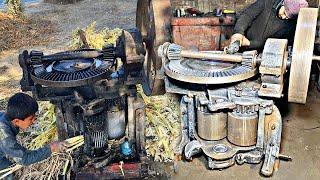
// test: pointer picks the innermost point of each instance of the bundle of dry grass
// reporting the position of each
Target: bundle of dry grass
(57, 164)
(91, 38)
(162, 126)
(20, 32)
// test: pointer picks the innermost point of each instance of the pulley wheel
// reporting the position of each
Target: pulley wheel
(302, 54)
(153, 20)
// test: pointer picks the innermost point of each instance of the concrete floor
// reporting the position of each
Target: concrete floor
(300, 140)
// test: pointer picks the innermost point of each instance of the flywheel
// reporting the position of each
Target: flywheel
(302, 55)
(153, 20)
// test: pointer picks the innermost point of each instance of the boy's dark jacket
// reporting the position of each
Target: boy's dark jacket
(260, 21)
(10, 148)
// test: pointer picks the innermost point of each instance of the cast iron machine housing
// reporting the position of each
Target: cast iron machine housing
(95, 95)
(227, 106)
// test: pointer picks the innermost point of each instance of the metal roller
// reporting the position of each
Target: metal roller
(242, 128)
(212, 126)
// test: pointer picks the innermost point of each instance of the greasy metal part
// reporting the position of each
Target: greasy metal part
(273, 129)
(252, 157)
(71, 73)
(242, 128)
(184, 135)
(260, 132)
(62, 132)
(171, 52)
(214, 164)
(273, 67)
(175, 52)
(132, 53)
(37, 57)
(212, 126)
(302, 55)
(192, 148)
(191, 116)
(208, 148)
(154, 23)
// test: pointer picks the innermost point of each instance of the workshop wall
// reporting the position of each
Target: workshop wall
(210, 5)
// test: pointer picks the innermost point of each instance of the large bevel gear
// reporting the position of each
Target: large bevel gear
(209, 71)
(70, 72)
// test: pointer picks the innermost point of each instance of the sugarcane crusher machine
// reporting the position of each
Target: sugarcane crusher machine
(227, 108)
(96, 96)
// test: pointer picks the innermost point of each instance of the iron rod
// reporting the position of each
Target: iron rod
(211, 56)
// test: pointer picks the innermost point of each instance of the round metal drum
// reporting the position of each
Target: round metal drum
(212, 126)
(116, 124)
(242, 128)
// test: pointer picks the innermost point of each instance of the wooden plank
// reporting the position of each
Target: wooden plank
(302, 55)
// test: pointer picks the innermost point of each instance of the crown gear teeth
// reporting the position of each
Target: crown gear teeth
(170, 51)
(71, 73)
(109, 53)
(209, 72)
(36, 56)
(248, 58)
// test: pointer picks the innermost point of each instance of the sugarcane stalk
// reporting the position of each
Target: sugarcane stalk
(65, 168)
(13, 169)
(74, 147)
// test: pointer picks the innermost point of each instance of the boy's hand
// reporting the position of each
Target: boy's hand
(59, 146)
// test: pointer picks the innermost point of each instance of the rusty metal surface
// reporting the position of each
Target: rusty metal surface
(204, 34)
(154, 23)
(203, 21)
(131, 171)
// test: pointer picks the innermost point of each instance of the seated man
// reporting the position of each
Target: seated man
(19, 115)
(267, 19)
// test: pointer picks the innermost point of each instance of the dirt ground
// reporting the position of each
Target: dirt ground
(301, 131)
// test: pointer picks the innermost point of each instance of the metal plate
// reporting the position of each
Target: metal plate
(208, 72)
(302, 55)
(154, 23)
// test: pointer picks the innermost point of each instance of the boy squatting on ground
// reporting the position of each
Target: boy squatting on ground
(19, 115)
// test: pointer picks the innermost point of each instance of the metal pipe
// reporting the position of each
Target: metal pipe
(211, 56)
